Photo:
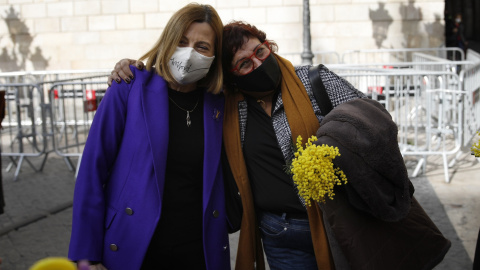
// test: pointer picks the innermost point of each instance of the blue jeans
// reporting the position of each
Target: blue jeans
(287, 242)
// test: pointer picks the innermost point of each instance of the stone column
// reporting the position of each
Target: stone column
(307, 55)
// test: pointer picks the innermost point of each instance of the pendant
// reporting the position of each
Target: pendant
(189, 122)
(262, 103)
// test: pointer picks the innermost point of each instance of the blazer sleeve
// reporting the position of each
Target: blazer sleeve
(98, 157)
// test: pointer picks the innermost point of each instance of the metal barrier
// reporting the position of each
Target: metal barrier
(424, 61)
(73, 107)
(421, 64)
(48, 76)
(24, 130)
(28, 124)
(473, 56)
(319, 57)
(470, 79)
(427, 107)
(399, 55)
(433, 63)
(437, 110)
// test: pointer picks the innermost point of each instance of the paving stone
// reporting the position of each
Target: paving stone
(40, 202)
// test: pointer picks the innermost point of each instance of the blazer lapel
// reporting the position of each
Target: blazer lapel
(155, 109)
(213, 123)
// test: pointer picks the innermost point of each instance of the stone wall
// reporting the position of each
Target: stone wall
(91, 34)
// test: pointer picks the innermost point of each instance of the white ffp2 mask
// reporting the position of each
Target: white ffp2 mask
(188, 66)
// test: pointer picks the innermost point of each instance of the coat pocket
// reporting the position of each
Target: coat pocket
(109, 216)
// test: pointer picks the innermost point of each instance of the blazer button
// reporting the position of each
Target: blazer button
(215, 213)
(129, 211)
(113, 247)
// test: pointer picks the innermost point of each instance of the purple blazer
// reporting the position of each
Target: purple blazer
(118, 193)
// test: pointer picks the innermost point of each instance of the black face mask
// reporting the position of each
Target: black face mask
(265, 78)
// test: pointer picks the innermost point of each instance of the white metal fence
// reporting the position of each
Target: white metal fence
(34, 116)
(470, 79)
(399, 55)
(434, 100)
(24, 130)
(325, 57)
(426, 106)
(73, 107)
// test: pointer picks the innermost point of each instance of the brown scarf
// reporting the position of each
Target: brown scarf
(302, 121)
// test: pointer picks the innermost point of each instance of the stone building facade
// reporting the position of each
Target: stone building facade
(92, 34)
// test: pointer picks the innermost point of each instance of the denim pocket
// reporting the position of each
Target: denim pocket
(271, 227)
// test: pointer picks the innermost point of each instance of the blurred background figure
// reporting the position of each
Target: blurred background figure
(458, 33)
(449, 37)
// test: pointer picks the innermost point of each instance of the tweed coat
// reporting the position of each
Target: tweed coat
(339, 91)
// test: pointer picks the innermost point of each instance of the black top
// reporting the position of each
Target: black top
(180, 225)
(272, 187)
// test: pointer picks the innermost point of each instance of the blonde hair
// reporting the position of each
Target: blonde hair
(159, 56)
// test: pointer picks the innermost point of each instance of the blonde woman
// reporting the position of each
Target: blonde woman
(149, 193)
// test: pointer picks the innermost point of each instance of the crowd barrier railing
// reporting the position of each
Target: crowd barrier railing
(73, 107)
(473, 56)
(48, 76)
(470, 79)
(433, 63)
(426, 106)
(28, 129)
(421, 64)
(399, 55)
(436, 109)
(323, 57)
(23, 133)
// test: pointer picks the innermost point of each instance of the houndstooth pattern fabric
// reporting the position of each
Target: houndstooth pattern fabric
(242, 115)
(338, 89)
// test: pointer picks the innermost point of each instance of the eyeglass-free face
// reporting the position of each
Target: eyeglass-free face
(242, 64)
(201, 37)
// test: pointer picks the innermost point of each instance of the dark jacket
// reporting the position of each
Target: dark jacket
(374, 222)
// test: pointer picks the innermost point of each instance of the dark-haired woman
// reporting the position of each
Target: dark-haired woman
(269, 102)
(256, 80)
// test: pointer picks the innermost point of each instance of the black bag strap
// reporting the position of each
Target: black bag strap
(319, 90)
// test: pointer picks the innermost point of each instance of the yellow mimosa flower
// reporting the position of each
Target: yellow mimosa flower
(313, 171)
(476, 147)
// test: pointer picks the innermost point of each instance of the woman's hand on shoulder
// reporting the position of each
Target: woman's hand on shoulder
(85, 265)
(122, 70)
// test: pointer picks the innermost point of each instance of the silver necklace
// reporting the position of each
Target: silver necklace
(189, 121)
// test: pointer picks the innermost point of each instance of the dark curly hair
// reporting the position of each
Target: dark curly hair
(234, 34)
